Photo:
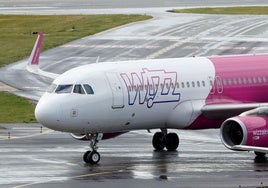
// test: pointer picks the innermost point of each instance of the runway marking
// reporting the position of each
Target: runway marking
(110, 46)
(25, 136)
(227, 48)
(236, 39)
(171, 47)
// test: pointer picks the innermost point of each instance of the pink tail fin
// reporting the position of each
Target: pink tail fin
(33, 63)
(34, 58)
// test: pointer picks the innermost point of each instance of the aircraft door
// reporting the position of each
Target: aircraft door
(117, 90)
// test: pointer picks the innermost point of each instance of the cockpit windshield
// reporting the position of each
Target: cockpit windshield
(64, 88)
(69, 88)
(88, 89)
(85, 89)
(79, 89)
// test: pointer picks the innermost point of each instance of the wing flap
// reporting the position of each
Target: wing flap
(224, 111)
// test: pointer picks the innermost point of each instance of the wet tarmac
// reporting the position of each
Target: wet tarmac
(31, 158)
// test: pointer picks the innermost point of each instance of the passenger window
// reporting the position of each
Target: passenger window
(79, 89)
(245, 81)
(203, 83)
(230, 82)
(240, 81)
(88, 89)
(188, 84)
(235, 81)
(198, 84)
(254, 80)
(259, 80)
(64, 88)
(211, 82)
(264, 79)
(224, 82)
(249, 80)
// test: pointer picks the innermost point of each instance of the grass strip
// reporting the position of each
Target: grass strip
(15, 109)
(247, 10)
(16, 38)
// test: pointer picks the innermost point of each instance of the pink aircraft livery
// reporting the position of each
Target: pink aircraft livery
(103, 100)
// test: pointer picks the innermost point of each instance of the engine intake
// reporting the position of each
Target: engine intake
(233, 132)
(245, 130)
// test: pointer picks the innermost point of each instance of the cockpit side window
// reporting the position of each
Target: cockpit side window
(88, 89)
(51, 88)
(64, 88)
(79, 89)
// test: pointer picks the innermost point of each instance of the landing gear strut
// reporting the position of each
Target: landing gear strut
(163, 139)
(92, 156)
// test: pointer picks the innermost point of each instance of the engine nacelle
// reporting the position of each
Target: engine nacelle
(245, 130)
(104, 136)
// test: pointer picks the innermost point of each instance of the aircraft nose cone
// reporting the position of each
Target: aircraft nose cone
(47, 113)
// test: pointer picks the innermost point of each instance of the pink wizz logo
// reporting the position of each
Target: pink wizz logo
(151, 86)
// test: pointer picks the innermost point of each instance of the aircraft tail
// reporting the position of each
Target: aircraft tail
(34, 58)
(33, 62)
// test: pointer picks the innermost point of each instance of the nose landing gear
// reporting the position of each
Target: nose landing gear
(92, 156)
(163, 139)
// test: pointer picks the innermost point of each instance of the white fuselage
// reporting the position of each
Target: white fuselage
(166, 93)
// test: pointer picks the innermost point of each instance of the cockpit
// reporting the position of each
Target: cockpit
(71, 88)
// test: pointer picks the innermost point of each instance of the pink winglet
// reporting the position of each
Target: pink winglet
(34, 58)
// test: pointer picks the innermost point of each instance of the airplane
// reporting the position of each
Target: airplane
(104, 100)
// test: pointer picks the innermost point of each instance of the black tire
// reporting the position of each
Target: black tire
(259, 154)
(158, 141)
(172, 141)
(93, 157)
(85, 156)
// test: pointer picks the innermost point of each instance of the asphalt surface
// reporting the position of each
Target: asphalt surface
(53, 159)
(32, 157)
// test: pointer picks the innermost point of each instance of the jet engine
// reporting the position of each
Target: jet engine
(248, 129)
(86, 137)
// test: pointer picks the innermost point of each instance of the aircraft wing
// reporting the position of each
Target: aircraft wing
(249, 148)
(223, 111)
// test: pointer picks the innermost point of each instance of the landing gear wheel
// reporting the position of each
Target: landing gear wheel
(259, 154)
(85, 156)
(94, 157)
(172, 141)
(91, 157)
(158, 141)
